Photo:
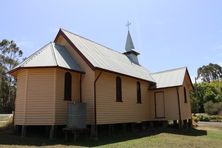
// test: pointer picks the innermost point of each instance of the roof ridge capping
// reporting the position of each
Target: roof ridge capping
(169, 70)
(62, 29)
(53, 52)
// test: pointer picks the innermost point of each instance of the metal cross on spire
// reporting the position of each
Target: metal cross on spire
(128, 24)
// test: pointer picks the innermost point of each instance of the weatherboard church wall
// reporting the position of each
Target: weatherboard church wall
(109, 111)
(40, 96)
(87, 78)
(60, 104)
(171, 102)
(35, 97)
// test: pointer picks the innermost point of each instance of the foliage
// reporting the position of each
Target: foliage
(213, 108)
(203, 117)
(10, 55)
(205, 92)
(206, 117)
(210, 89)
(208, 73)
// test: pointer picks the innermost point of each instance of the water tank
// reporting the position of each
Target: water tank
(76, 115)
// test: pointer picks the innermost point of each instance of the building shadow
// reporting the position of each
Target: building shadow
(8, 137)
(186, 131)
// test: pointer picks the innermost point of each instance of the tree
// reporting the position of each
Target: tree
(209, 90)
(205, 92)
(10, 55)
(208, 73)
(212, 108)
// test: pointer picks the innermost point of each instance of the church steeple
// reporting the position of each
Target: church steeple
(131, 53)
(129, 42)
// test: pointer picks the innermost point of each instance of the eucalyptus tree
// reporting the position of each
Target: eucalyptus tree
(210, 72)
(10, 55)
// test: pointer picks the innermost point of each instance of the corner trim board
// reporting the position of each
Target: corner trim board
(178, 100)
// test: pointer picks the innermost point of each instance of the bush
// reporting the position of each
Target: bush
(206, 117)
(203, 117)
(212, 108)
(216, 118)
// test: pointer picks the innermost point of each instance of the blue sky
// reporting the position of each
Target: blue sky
(167, 33)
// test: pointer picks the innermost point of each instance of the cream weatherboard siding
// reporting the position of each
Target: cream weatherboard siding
(35, 97)
(40, 99)
(170, 102)
(87, 79)
(20, 101)
(186, 107)
(40, 96)
(60, 104)
(109, 111)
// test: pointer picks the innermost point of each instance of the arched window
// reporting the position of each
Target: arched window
(68, 87)
(138, 93)
(185, 95)
(118, 89)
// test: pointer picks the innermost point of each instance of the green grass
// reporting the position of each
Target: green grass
(201, 137)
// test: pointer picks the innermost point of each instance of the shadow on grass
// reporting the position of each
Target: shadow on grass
(8, 137)
(187, 132)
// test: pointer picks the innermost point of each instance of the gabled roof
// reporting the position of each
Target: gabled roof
(101, 57)
(50, 55)
(170, 78)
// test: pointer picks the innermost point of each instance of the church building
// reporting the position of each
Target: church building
(105, 87)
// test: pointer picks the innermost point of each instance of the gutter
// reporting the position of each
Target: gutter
(95, 117)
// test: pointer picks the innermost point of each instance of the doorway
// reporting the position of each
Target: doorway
(159, 104)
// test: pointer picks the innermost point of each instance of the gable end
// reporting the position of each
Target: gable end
(74, 47)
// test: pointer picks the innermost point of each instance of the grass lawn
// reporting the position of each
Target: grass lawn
(201, 137)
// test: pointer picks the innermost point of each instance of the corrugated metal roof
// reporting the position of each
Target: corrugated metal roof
(50, 55)
(169, 78)
(100, 57)
(105, 58)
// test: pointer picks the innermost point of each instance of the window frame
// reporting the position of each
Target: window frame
(185, 94)
(68, 86)
(119, 89)
(138, 92)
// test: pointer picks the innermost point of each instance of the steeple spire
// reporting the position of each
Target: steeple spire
(131, 53)
(129, 42)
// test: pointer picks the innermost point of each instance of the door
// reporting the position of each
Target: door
(159, 104)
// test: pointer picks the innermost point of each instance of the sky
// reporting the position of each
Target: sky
(167, 33)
